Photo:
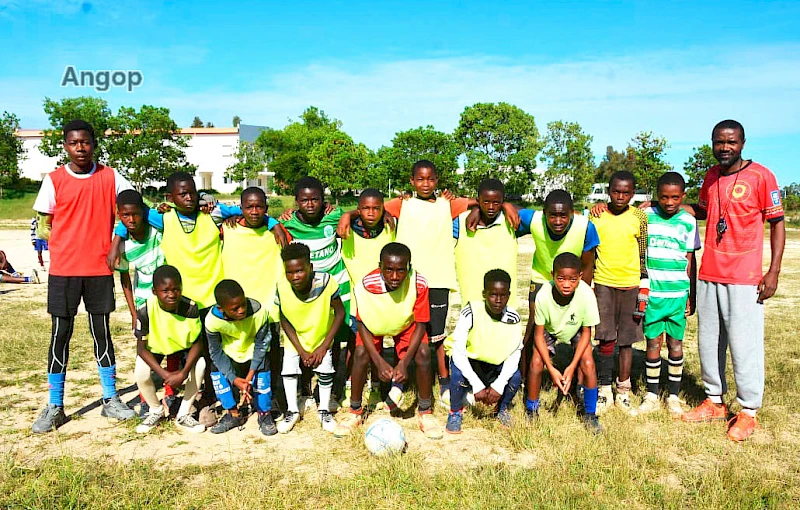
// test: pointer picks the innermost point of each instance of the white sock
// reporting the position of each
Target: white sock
(157, 410)
(290, 387)
(717, 399)
(186, 406)
(325, 397)
(750, 412)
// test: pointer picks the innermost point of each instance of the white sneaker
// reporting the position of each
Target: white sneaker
(675, 406)
(623, 402)
(288, 422)
(189, 424)
(327, 421)
(605, 398)
(650, 404)
(444, 399)
(396, 396)
(151, 421)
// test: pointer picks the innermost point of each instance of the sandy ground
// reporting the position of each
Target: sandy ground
(90, 435)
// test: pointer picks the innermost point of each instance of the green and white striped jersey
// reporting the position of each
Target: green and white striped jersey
(145, 257)
(669, 239)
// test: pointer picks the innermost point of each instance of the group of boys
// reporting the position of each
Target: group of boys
(214, 285)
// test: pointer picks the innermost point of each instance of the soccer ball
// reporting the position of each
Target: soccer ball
(385, 437)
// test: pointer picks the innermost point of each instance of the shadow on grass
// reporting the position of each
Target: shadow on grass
(7, 291)
(97, 403)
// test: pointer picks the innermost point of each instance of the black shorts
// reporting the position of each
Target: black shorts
(439, 301)
(64, 294)
(616, 308)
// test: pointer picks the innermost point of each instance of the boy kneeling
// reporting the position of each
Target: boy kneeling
(566, 310)
(392, 301)
(311, 314)
(238, 340)
(487, 344)
(169, 323)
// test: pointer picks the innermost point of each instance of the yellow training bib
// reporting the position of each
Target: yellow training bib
(311, 320)
(252, 257)
(169, 332)
(427, 229)
(390, 313)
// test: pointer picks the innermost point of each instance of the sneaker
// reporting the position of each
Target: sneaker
(605, 397)
(706, 411)
(623, 402)
(117, 410)
(327, 421)
(650, 404)
(453, 425)
(144, 410)
(288, 422)
(51, 417)
(444, 399)
(429, 426)
(189, 424)
(207, 416)
(532, 415)
(348, 424)
(266, 424)
(675, 406)
(592, 424)
(504, 417)
(35, 276)
(150, 421)
(396, 396)
(226, 423)
(741, 426)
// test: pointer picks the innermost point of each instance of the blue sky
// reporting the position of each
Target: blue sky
(674, 68)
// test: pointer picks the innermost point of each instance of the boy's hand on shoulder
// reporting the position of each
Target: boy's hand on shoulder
(163, 208)
(473, 219)
(646, 204)
(598, 209)
(329, 208)
(286, 215)
(343, 228)
(448, 195)
(406, 195)
(389, 221)
(512, 215)
(280, 236)
(232, 221)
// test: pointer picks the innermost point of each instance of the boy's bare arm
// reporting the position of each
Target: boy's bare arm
(587, 265)
(691, 271)
(113, 253)
(143, 352)
(401, 370)
(127, 290)
(385, 370)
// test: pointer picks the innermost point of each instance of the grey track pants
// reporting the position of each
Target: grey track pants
(729, 316)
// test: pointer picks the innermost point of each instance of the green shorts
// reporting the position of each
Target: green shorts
(665, 315)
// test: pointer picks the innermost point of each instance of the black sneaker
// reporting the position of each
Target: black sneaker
(266, 424)
(226, 423)
(592, 424)
(532, 415)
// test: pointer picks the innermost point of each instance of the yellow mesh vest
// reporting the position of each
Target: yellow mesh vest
(170, 333)
(547, 249)
(481, 251)
(252, 257)
(238, 337)
(490, 340)
(361, 257)
(427, 229)
(311, 321)
(196, 255)
(390, 313)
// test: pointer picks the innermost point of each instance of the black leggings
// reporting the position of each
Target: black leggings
(58, 356)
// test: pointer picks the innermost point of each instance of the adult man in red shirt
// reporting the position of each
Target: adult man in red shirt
(736, 198)
(76, 208)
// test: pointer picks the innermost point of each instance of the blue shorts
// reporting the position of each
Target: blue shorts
(40, 245)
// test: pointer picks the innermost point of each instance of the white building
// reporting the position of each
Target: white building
(211, 150)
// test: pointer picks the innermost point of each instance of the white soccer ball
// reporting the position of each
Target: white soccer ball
(385, 437)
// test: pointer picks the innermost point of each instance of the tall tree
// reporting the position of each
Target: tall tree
(251, 160)
(500, 140)
(695, 169)
(569, 158)
(339, 162)
(236, 121)
(12, 151)
(410, 146)
(197, 122)
(146, 146)
(93, 110)
(613, 161)
(647, 152)
(209, 124)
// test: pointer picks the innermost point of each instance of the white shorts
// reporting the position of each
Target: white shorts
(291, 363)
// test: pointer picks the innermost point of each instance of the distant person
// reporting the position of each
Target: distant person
(76, 215)
(9, 275)
(736, 198)
(39, 244)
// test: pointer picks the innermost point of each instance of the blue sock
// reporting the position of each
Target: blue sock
(55, 383)
(590, 399)
(223, 390)
(262, 387)
(108, 380)
(532, 405)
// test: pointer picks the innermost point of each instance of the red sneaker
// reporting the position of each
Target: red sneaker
(741, 427)
(706, 411)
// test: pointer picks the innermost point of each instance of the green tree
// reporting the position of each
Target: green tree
(197, 122)
(500, 140)
(209, 124)
(410, 146)
(613, 161)
(93, 110)
(146, 146)
(695, 170)
(236, 121)
(569, 158)
(647, 154)
(339, 162)
(251, 160)
(12, 151)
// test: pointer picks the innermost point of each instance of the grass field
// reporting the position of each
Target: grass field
(645, 462)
